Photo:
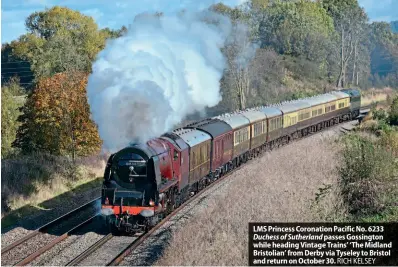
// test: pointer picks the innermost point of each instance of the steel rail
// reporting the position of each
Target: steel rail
(48, 225)
(90, 250)
(53, 242)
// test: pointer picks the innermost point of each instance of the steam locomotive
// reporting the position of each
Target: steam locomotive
(145, 182)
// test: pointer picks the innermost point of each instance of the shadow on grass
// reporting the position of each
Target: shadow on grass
(32, 217)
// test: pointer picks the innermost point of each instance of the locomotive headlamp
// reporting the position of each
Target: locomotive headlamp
(151, 203)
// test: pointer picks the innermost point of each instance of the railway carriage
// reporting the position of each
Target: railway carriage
(241, 136)
(274, 123)
(295, 116)
(258, 129)
(320, 111)
(199, 144)
(221, 144)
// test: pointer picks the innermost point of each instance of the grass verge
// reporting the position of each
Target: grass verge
(29, 181)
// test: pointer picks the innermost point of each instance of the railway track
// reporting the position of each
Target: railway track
(90, 250)
(62, 227)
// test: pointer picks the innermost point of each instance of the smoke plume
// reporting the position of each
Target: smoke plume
(162, 70)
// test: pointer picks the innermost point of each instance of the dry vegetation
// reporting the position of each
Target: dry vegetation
(30, 180)
(376, 95)
(281, 186)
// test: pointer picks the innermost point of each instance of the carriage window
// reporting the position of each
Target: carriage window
(327, 109)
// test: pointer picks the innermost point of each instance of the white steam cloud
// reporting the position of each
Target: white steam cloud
(162, 70)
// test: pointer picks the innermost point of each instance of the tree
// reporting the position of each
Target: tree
(11, 101)
(239, 51)
(56, 118)
(59, 40)
(297, 28)
(266, 75)
(349, 20)
(383, 47)
(112, 34)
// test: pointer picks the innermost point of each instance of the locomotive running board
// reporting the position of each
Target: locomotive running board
(167, 185)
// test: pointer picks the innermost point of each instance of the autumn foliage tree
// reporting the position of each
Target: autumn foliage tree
(60, 39)
(56, 118)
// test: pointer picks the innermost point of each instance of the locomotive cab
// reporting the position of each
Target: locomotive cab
(129, 194)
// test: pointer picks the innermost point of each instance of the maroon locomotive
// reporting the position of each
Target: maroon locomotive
(145, 182)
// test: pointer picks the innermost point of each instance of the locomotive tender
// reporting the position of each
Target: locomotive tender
(145, 182)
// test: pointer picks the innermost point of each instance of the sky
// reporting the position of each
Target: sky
(114, 14)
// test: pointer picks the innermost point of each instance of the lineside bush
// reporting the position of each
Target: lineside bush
(368, 176)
